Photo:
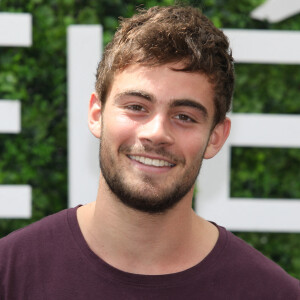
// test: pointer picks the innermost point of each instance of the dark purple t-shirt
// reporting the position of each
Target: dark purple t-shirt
(51, 260)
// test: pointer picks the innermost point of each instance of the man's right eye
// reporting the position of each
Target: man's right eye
(135, 107)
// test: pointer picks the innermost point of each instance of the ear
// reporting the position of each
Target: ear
(94, 116)
(217, 138)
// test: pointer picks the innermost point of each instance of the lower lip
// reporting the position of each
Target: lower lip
(151, 169)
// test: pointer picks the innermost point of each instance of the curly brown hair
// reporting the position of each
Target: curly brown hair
(162, 35)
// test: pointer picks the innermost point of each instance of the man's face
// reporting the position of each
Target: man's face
(155, 128)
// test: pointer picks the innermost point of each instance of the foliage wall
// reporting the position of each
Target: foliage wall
(37, 76)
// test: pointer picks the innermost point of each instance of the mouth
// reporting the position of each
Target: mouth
(150, 161)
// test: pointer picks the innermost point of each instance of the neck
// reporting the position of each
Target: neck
(142, 243)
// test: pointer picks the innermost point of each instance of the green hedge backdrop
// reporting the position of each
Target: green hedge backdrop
(37, 76)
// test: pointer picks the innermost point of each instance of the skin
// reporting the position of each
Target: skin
(154, 113)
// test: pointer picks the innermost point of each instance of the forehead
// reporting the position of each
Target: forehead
(165, 84)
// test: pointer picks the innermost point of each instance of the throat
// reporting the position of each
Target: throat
(150, 245)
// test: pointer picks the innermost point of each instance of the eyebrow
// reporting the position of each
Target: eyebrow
(190, 103)
(136, 93)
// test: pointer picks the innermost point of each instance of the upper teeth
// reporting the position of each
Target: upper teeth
(151, 162)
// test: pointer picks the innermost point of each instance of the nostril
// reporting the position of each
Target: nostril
(157, 131)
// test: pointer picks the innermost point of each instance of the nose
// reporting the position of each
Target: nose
(156, 131)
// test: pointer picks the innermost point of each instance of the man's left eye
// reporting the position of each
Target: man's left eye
(184, 118)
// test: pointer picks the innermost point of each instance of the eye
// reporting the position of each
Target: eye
(135, 107)
(184, 118)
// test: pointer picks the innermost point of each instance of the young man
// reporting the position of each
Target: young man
(163, 89)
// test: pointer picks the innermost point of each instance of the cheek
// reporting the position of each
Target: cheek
(123, 121)
(195, 146)
(121, 128)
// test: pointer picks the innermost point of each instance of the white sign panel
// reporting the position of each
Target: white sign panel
(253, 130)
(15, 31)
(84, 53)
(10, 116)
(265, 46)
(276, 10)
(15, 201)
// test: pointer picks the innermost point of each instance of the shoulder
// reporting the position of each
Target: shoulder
(28, 241)
(26, 254)
(29, 233)
(256, 271)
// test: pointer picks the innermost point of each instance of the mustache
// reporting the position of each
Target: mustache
(146, 149)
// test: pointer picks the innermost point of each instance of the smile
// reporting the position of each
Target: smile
(151, 162)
